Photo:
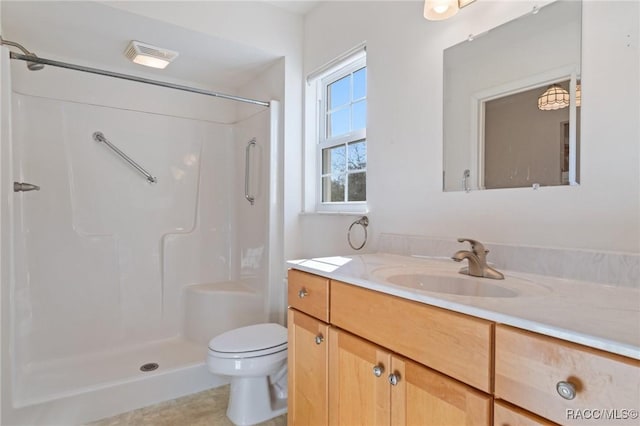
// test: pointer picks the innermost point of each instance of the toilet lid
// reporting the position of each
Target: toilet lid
(253, 340)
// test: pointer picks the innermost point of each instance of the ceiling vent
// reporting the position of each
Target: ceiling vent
(148, 55)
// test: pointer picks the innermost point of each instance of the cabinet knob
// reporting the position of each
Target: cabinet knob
(303, 293)
(319, 339)
(567, 390)
(394, 379)
(378, 370)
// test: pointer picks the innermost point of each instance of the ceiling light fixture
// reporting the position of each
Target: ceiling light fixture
(438, 10)
(148, 55)
(555, 97)
(464, 3)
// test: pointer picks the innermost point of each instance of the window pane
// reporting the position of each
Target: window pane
(339, 93)
(333, 189)
(360, 83)
(358, 155)
(344, 162)
(338, 123)
(358, 186)
(359, 115)
(334, 160)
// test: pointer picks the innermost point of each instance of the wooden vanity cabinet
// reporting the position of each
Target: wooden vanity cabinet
(338, 378)
(451, 369)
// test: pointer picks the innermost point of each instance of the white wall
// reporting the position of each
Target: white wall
(404, 58)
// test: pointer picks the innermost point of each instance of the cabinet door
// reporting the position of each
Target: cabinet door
(508, 415)
(359, 390)
(424, 397)
(307, 363)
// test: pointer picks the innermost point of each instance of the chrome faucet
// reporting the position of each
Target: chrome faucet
(477, 258)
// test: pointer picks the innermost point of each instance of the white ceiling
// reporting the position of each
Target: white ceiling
(299, 7)
(94, 34)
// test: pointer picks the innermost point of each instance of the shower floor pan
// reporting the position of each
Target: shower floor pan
(104, 384)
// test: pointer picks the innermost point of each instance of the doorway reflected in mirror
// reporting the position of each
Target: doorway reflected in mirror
(525, 145)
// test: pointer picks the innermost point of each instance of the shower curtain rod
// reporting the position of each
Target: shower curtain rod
(38, 60)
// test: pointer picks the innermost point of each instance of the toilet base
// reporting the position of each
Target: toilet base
(254, 400)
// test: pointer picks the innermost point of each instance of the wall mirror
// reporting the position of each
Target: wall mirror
(512, 101)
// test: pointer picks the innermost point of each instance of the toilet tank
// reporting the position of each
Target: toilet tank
(213, 308)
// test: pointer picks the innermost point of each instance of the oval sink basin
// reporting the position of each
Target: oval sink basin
(457, 285)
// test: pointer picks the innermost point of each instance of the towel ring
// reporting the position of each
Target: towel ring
(364, 222)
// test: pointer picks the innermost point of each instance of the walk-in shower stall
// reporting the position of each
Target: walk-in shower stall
(148, 229)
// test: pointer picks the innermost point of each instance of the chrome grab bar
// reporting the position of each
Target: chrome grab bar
(247, 175)
(99, 137)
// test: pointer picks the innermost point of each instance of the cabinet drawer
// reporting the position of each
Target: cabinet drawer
(529, 368)
(309, 293)
(454, 344)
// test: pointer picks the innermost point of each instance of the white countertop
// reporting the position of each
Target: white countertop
(596, 315)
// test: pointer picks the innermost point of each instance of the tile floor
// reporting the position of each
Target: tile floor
(206, 408)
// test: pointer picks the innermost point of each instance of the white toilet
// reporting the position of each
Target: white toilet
(255, 357)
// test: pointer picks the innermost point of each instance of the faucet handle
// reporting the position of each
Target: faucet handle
(476, 246)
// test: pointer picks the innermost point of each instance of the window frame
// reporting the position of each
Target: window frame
(323, 142)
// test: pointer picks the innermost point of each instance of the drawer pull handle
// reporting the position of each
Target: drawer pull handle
(378, 370)
(567, 390)
(319, 339)
(394, 379)
(303, 293)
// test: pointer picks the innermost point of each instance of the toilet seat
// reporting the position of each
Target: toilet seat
(248, 342)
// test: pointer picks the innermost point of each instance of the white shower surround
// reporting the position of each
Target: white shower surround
(104, 263)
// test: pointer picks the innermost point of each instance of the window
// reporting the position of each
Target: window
(342, 136)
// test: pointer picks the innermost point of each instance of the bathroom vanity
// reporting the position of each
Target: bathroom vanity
(393, 340)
